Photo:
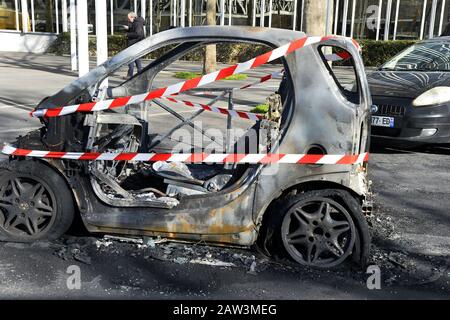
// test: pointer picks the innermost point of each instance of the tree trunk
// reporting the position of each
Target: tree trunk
(49, 16)
(315, 17)
(210, 61)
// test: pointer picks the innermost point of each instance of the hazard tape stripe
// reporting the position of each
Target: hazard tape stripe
(232, 113)
(339, 56)
(260, 80)
(192, 157)
(188, 84)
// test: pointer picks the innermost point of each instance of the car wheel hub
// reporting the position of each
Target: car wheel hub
(27, 206)
(318, 233)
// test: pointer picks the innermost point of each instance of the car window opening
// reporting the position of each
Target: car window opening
(347, 82)
(169, 126)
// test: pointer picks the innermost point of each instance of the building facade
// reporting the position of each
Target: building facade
(26, 23)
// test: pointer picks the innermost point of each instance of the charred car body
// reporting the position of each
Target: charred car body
(311, 212)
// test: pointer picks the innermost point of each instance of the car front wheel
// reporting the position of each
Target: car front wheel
(35, 202)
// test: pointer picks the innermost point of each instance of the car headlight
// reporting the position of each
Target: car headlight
(435, 96)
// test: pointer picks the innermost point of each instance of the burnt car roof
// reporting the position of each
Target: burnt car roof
(272, 37)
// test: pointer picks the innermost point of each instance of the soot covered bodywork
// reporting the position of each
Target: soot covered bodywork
(217, 203)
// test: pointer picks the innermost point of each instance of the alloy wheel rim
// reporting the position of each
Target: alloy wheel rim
(27, 206)
(318, 232)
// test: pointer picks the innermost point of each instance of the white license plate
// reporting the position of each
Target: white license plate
(383, 121)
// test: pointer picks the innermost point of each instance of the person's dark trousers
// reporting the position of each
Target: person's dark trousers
(131, 67)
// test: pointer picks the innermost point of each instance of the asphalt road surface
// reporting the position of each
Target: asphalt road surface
(410, 226)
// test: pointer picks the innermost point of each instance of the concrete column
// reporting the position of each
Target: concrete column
(329, 16)
(397, 9)
(101, 30)
(352, 25)
(422, 23)
(387, 24)
(16, 9)
(64, 14)
(336, 17)
(190, 13)
(57, 15)
(222, 12)
(254, 13)
(441, 20)
(294, 15)
(175, 20)
(344, 18)
(380, 4)
(143, 9)
(24, 6)
(263, 11)
(111, 15)
(73, 35)
(432, 19)
(83, 40)
(230, 11)
(302, 22)
(151, 17)
(183, 13)
(33, 22)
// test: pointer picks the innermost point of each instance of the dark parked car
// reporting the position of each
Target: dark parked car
(411, 95)
(312, 213)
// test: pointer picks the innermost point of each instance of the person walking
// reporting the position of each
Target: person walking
(135, 33)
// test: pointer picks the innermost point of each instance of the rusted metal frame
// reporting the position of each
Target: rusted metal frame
(228, 141)
(188, 121)
(178, 126)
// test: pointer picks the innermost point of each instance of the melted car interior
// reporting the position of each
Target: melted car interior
(162, 126)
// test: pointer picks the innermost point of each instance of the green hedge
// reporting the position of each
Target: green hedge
(375, 53)
(227, 53)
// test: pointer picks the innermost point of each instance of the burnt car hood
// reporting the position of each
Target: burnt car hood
(405, 84)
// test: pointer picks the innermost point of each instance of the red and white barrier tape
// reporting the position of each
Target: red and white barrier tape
(193, 157)
(248, 85)
(232, 113)
(188, 84)
(338, 56)
(261, 80)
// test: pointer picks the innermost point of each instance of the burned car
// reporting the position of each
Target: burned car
(310, 213)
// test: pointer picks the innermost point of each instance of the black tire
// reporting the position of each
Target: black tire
(35, 202)
(278, 238)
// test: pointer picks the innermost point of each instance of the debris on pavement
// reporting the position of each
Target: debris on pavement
(103, 243)
(124, 239)
(213, 262)
(252, 268)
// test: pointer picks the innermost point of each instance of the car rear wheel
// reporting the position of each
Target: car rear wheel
(320, 229)
(35, 202)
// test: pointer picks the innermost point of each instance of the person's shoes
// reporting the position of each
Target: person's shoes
(126, 77)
